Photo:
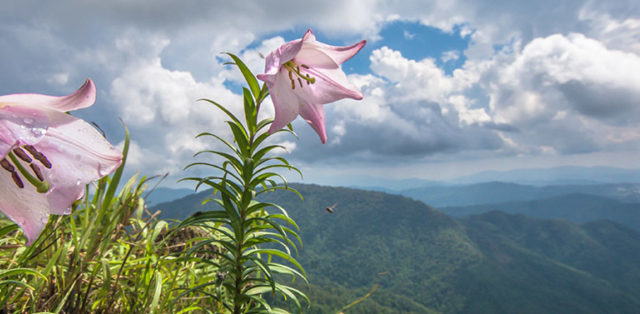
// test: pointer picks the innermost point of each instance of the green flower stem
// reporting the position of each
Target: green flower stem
(247, 166)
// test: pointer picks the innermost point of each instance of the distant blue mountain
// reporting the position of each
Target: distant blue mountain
(162, 195)
(568, 175)
(555, 176)
(577, 208)
(500, 192)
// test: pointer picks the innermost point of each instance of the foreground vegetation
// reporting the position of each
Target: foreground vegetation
(112, 255)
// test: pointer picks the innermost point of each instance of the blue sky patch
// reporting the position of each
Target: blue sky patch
(414, 40)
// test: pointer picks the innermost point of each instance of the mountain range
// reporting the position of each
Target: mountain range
(578, 208)
(426, 261)
(500, 192)
(554, 176)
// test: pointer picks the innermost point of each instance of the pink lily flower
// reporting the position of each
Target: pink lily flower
(304, 74)
(48, 156)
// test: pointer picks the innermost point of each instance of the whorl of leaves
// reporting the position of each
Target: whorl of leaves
(253, 238)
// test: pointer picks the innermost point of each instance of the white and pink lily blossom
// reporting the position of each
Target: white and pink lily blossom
(48, 156)
(303, 75)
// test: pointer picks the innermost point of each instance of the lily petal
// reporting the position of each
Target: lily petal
(79, 154)
(321, 55)
(26, 207)
(284, 102)
(314, 115)
(84, 97)
(27, 125)
(331, 85)
(278, 57)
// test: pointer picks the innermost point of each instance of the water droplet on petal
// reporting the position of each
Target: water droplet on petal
(44, 219)
(67, 211)
(38, 132)
(28, 124)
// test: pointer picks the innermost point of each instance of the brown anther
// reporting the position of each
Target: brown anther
(308, 79)
(7, 165)
(290, 75)
(31, 150)
(16, 179)
(21, 154)
(37, 171)
(293, 84)
(304, 66)
(38, 156)
(43, 160)
(300, 81)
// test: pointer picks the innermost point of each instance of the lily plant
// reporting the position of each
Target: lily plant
(254, 246)
(48, 156)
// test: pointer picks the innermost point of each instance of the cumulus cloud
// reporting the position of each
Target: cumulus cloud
(160, 105)
(571, 91)
(450, 55)
(534, 81)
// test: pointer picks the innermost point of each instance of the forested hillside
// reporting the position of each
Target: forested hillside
(426, 261)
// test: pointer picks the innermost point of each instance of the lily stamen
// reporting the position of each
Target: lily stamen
(14, 175)
(16, 180)
(37, 172)
(39, 183)
(21, 154)
(7, 165)
(292, 67)
(38, 156)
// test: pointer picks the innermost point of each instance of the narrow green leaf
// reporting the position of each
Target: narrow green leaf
(221, 107)
(8, 229)
(248, 76)
(21, 271)
(249, 111)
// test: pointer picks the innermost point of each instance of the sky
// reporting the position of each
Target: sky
(450, 87)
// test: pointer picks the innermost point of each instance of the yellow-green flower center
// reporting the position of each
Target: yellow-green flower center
(294, 70)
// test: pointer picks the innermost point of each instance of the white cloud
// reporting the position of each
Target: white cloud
(572, 90)
(450, 55)
(423, 79)
(569, 71)
(407, 35)
(59, 78)
(253, 58)
(160, 106)
(563, 81)
(616, 32)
